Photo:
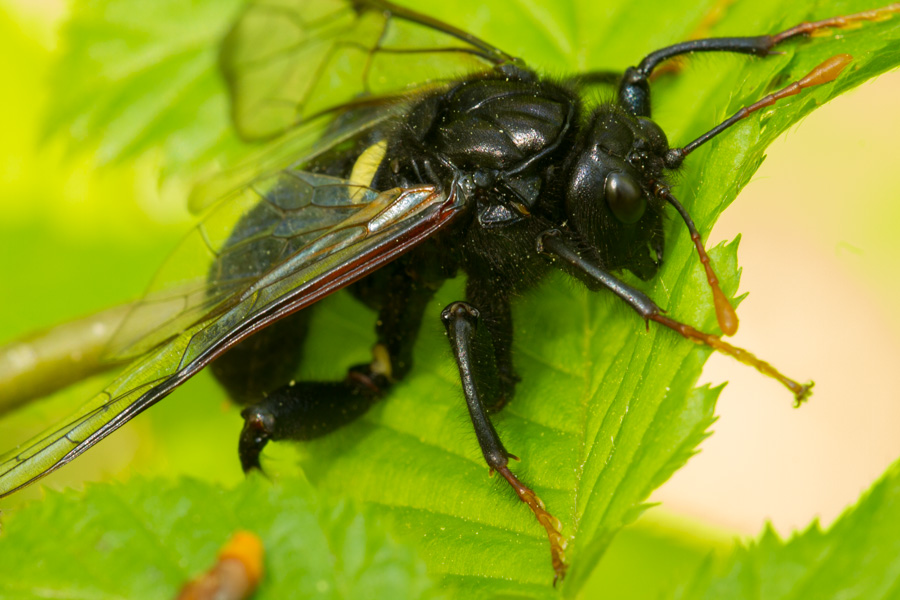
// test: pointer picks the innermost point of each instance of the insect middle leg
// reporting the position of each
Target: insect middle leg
(482, 383)
(309, 409)
(634, 89)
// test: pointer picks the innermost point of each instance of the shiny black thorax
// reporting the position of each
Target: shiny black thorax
(531, 159)
(505, 140)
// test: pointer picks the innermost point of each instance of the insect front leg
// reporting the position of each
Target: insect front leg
(565, 251)
(309, 409)
(634, 89)
(473, 350)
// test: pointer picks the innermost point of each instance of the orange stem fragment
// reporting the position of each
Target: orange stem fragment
(236, 574)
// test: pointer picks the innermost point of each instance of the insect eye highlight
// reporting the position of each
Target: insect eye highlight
(625, 198)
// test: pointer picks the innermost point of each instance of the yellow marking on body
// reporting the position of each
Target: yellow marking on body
(364, 169)
(521, 208)
(381, 361)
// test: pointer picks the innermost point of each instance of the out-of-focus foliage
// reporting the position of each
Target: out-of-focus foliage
(141, 76)
(858, 557)
(146, 539)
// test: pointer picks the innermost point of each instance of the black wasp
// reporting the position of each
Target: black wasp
(501, 174)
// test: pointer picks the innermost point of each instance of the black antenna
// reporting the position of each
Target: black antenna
(826, 72)
(725, 313)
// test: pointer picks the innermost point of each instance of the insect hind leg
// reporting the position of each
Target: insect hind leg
(309, 409)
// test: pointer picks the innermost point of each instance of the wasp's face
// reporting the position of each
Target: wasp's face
(609, 191)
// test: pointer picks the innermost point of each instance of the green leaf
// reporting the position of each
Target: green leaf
(606, 410)
(137, 77)
(858, 557)
(148, 538)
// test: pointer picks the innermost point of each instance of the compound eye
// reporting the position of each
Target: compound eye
(625, 198)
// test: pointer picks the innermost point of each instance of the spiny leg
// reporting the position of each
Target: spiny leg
(309, 409)
(304, 411)
(634, 89)
(474, 354)
(401, 300)
(555, 244)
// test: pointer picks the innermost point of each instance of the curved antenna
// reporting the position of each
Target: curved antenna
(725, 313)
(826, 72)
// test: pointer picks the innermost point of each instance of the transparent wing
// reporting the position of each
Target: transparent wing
(41, 362)
(298, 147)
(306, 75)
(302, 236)
(287, 61)
(271, 221)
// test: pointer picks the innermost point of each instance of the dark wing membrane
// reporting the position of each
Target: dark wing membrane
(315, 234)
(287, 61)
(268, 222)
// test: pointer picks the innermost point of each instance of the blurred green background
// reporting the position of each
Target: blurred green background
(819, 252)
